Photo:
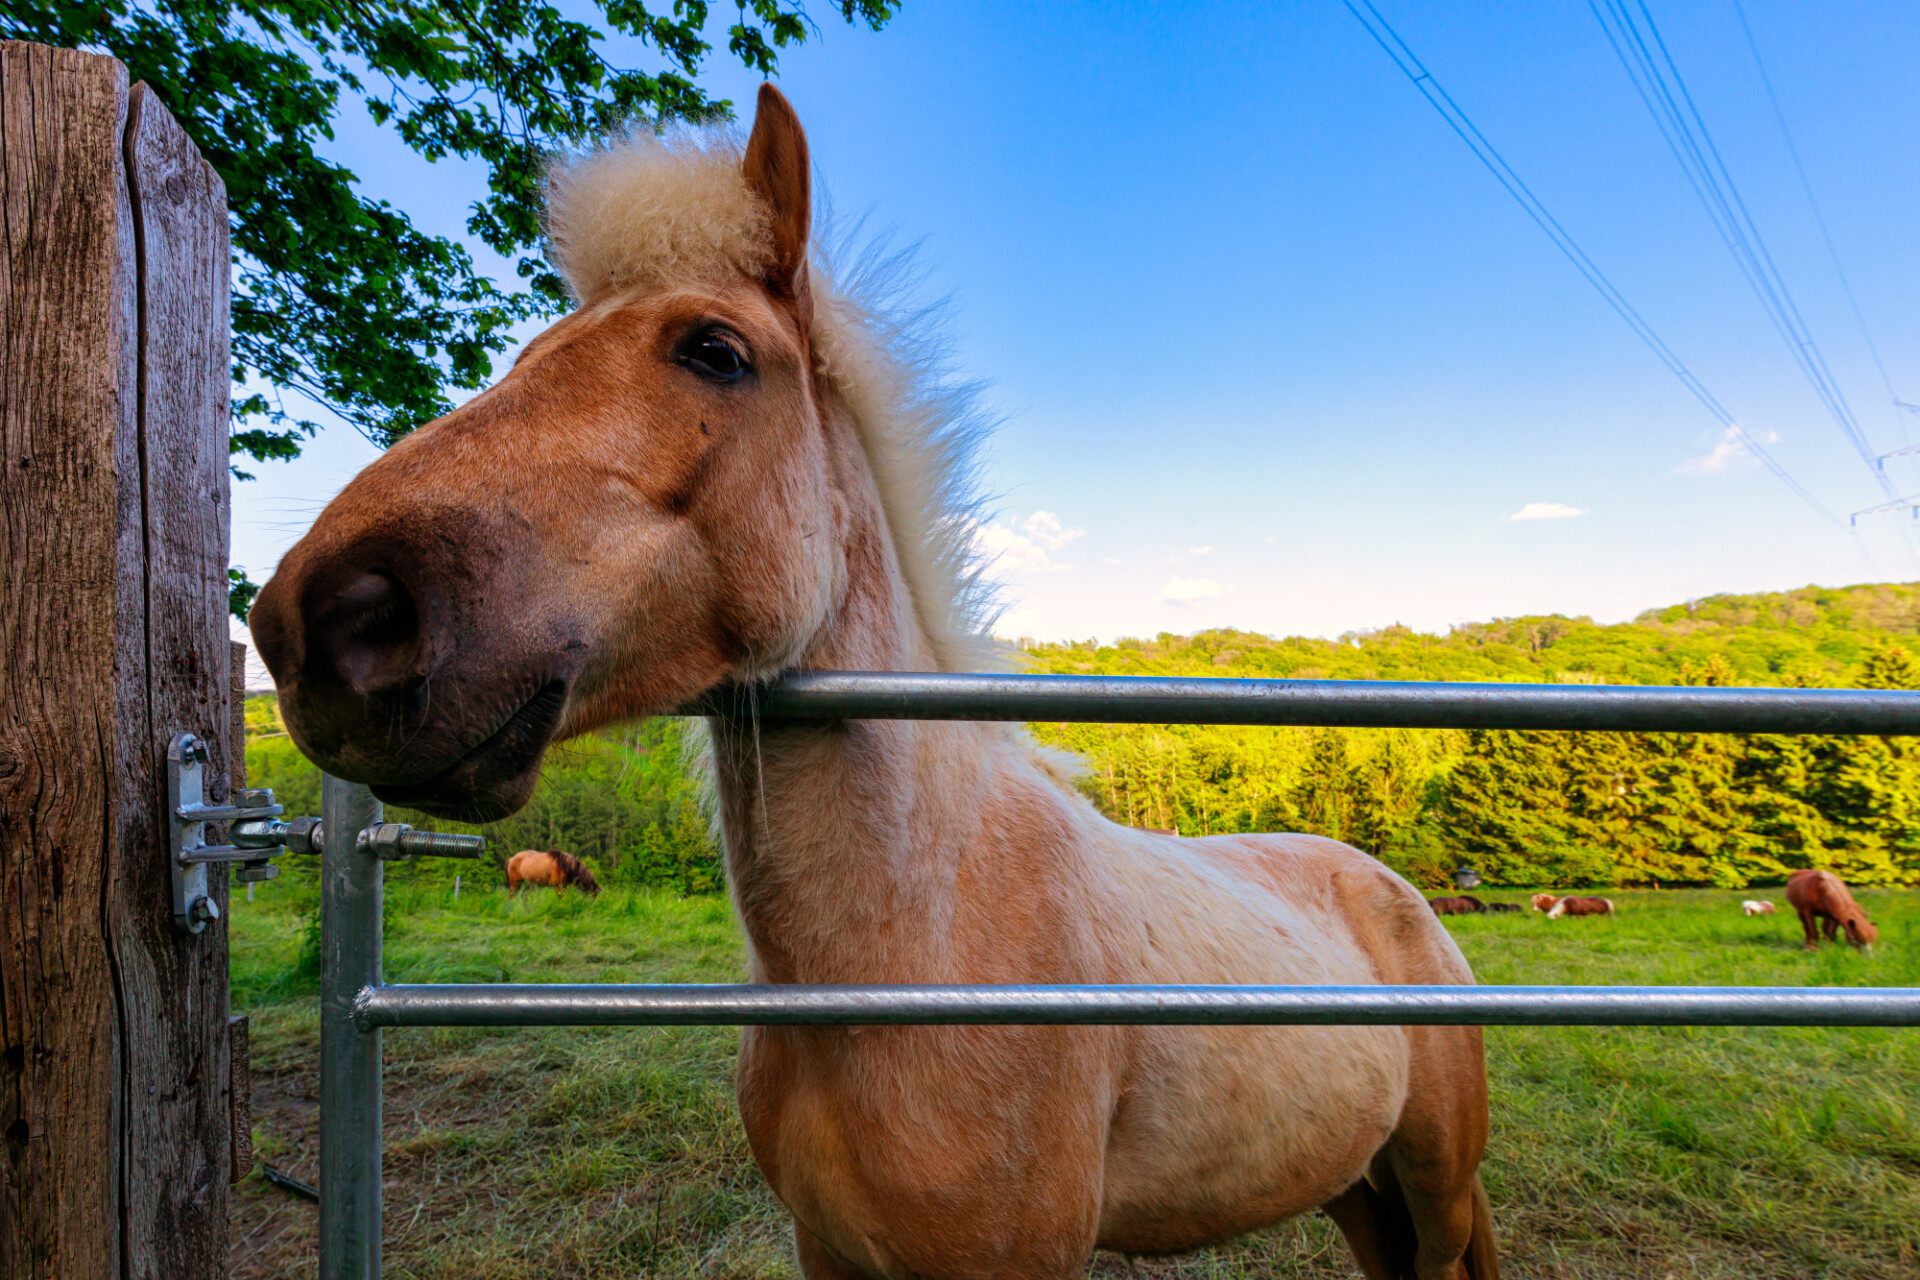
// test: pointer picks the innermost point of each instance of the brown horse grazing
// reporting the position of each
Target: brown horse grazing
(1580, 907)
(1543, 901)
(532, 866)
(1464, 905)
(721, 466)
(1823, 896)
(1504, 907)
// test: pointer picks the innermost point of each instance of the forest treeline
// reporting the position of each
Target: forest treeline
(1543, 808)
(1557, 809)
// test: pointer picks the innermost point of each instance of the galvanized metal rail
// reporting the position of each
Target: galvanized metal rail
(356, 1006)
(730, 1004)
(1378, 704)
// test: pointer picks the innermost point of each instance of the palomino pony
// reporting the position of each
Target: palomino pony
(1825, 905)
(721, 466)
(549, 867)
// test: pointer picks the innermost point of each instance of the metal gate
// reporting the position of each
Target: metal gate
(356, 1006)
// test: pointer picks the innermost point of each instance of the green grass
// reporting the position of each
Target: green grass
(617, 1153)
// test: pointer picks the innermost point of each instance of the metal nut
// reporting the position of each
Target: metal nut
(203, 911)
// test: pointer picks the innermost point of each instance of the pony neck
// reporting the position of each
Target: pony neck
(843, 839)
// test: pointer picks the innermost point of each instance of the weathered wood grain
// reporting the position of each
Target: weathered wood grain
(239, 1042)
(173, 986)
(114, 1125)
(236, 715)
(66, 411)
(240, 1107)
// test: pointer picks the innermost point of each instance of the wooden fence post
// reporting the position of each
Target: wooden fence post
(114, 1130)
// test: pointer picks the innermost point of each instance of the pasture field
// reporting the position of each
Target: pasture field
(616, 1153)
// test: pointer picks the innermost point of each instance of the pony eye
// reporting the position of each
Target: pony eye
(713, 354)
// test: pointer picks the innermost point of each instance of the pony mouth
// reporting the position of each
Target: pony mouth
(494, 778)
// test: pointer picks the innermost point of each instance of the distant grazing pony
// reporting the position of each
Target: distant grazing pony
(1823, 896)
(1504, 906)
(1755, 907)
(531, 866)
(1543, 901)
(1581, 907)
(1464, 905)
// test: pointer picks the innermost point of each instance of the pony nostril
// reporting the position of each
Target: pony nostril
(369, 633)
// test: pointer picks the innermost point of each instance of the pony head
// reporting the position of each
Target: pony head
(1861, 931)
(575, 872)
(714, 468)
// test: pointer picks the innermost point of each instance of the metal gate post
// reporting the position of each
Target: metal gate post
(350, 916)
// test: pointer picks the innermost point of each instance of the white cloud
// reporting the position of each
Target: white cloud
(1045, 528)
(1109, 560)
(1185, 591)
(1199, 551)
(1547, 511)
(1026, 549)
(1272, 538)
(1729, 453)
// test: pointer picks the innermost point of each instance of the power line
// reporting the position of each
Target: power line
(1909, 503)
(1651, 67)
(1819, 219)
(1403, 57)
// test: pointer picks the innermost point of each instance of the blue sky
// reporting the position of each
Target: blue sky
(1273, 350)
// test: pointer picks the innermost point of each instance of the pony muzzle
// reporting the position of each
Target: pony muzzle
(397, 668)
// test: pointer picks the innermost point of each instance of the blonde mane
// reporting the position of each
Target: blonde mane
(645, 209)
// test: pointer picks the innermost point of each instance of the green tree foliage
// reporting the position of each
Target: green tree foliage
(1543, 808)
(340, 298)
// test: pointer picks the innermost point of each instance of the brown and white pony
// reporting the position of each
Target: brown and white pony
(1580, 907)
(723, 465)
(1826, 906)
(1756, 907)
(549, 867)
(1542, 901)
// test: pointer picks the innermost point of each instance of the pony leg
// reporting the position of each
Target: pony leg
(1376, 1228)
(1829, 928)
(817, 1262)
(1812, 931)
(1454, 1227)
(1402, 1233)
(1431, 1163)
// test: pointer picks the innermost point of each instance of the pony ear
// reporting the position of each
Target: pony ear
(777, 170)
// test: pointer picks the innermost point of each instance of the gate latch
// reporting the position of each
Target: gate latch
(258, 835)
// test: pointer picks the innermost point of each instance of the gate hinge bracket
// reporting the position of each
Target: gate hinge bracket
(258, 835)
